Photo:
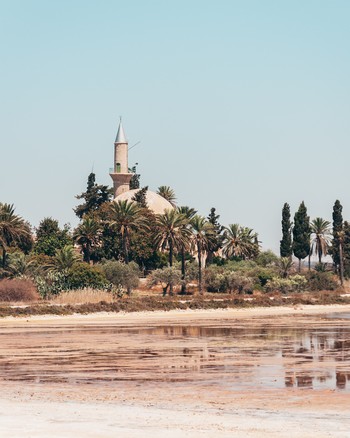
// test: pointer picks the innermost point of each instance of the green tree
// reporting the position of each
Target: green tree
(81, 275)
(13, 229)
(50, 238)
(321, 236)
(126, 217)
(64, 259)
(142, 248)
(135, 179)
(284, 266)
(167, 193)
(188, 213)
(266, 258)
(337, 234)
(344, 240)
(141, 197)
(301, 234)
(240, 242)
(20, 265)
(286, 242)
(202, 235)
(171, 232)
(88, 236)
(216, 242)
(94, 196)
(122, 275)
(168, 277)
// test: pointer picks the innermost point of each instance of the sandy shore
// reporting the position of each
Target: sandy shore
(156, 408)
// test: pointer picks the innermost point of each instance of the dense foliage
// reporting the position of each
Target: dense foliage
(115, 243)
(301, 233)
(286, 242)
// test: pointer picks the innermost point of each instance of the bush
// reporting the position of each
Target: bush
(121, 275)
(168, 277)
(240, 283)
(214, 278)
(295, 283)
(18, 290)
(50, 283)
(82, 275)
(321, 281)
(266, 258)
(223, 279)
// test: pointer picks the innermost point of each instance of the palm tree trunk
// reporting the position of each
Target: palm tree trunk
(125, 247)
(309, 262)
(199, 250)
(88, 251)
(299, 266)
(171, 264)
(183, 271)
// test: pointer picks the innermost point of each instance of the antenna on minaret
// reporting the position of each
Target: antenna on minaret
(134, 145)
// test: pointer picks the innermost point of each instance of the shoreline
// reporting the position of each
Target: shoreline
(187, 314)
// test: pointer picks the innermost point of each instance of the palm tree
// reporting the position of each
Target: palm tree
(171, 232)
(127, 217)
(167, 193)
(20, 265)
(64, 259)
(321, 237)
(203, 233)
(189, 213)
(13, 229)
(87, 235)
(240, 242)
(284, 266)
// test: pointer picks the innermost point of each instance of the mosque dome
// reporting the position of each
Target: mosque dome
(155, 202)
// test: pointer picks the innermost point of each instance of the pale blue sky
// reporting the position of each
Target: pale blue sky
(239, 105)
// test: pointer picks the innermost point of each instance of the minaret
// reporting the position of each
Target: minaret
(120, 172)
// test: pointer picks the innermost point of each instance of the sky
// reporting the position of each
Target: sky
(241, 105)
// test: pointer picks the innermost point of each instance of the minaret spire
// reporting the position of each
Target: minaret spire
(120, 138)
(120, 172)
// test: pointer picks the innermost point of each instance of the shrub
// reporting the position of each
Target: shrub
(170, 276)
(82, 275)
(18, 290)
(295, 283)
(50, 283)
(121, 275)
(321, 281)
(223, 279)
(214, 278)
(266, 258)
(237, 282)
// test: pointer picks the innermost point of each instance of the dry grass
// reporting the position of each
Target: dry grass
(83, 296)
(17, 291)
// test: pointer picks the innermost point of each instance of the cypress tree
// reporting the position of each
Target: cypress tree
(346, 249)
(337, 230)
(286, 242)
(216, 242)
(301, 234)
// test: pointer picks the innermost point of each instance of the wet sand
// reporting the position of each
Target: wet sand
(273, 372)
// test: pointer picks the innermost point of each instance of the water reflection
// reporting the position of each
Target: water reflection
(315, 357)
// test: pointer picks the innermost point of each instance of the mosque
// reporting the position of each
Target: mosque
(121, 177)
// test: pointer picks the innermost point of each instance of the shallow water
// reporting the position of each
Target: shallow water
(232, 356)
